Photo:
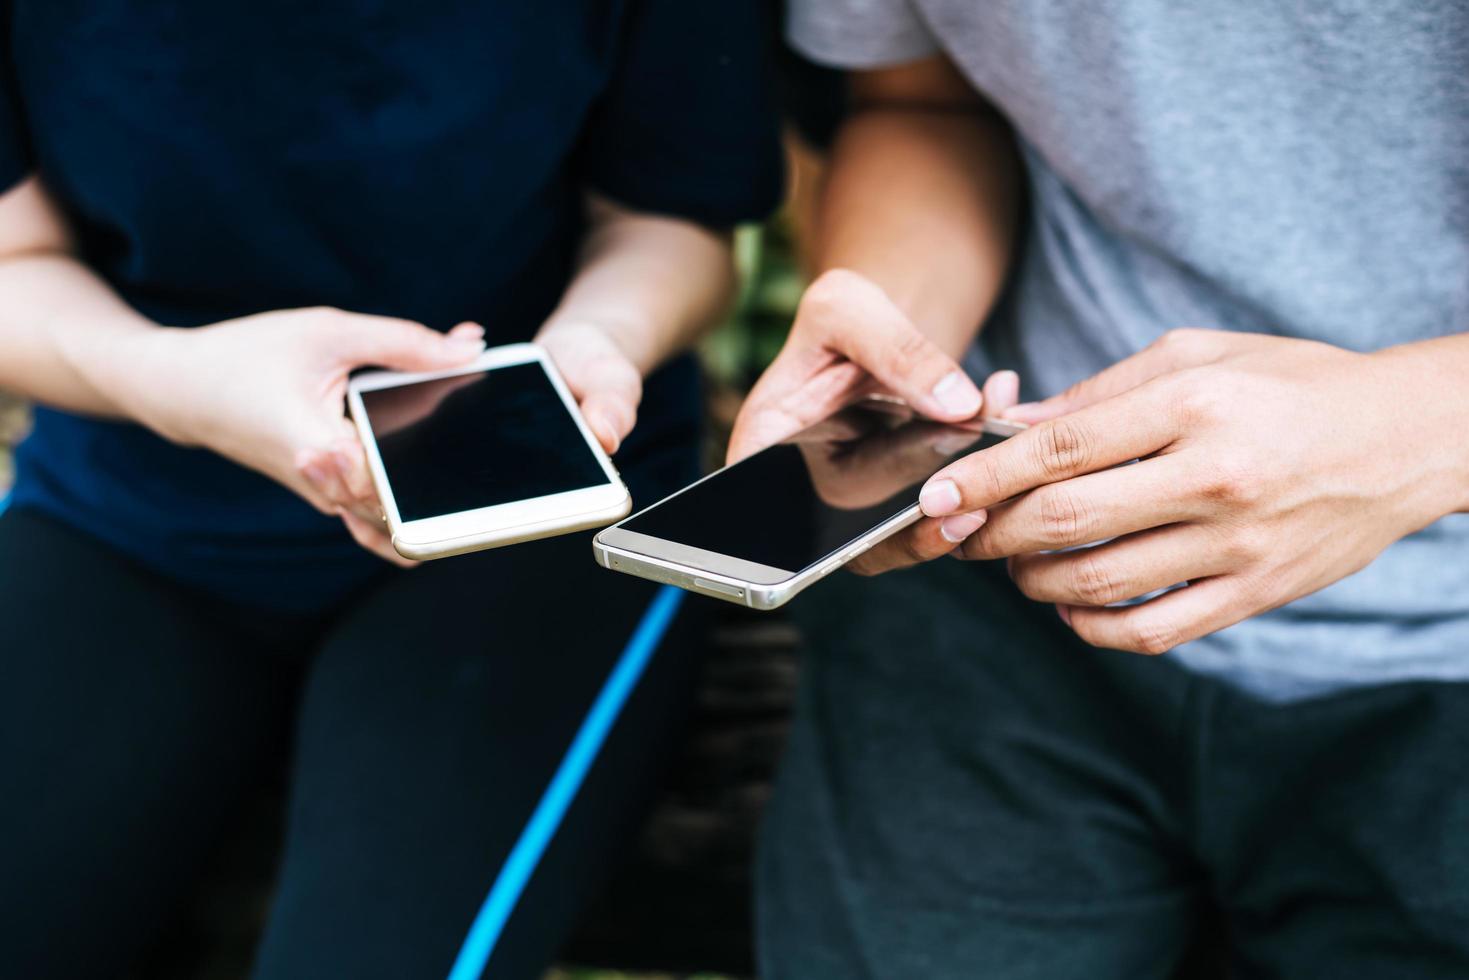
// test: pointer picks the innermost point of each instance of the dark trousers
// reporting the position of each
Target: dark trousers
(421, 723)
(970, 792)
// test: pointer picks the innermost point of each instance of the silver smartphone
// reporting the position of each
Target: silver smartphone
(760, 531)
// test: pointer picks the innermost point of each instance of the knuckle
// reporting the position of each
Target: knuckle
(910, 351)
(1095, 582)
(828, 295)
(976, 475)
(1245, 545)
(1062, 447)
(328, 317)
(1184, 343)
(1232, 483)
(1064, 519)
(1153, 636)
(1201, 397)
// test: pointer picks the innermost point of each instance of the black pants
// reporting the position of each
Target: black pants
(424, 720)
(971, 792)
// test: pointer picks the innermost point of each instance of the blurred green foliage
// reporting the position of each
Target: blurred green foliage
(771, 283)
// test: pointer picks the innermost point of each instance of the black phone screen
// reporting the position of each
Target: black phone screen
(798, 502)
(477, 440)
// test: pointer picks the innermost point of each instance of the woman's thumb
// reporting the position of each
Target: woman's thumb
(402, 345)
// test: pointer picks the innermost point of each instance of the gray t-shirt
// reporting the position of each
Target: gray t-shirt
(1297, 168)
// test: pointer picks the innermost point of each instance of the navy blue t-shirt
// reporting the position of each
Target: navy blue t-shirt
(421, 159)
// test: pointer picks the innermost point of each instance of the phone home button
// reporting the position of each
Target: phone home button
(720, 587)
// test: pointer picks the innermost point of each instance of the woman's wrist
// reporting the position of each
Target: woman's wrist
(621, 336)
(136, 369)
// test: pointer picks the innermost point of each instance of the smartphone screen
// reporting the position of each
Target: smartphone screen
(794, 504)
(478, 440)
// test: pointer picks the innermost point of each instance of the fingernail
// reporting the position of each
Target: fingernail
(939, 498)
(465, 347)
(467, 329)
(960, 526)
(956, 394)
(1007, 386)
(1065, 613)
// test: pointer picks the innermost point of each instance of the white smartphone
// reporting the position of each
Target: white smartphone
(758, 532)
(489, 454)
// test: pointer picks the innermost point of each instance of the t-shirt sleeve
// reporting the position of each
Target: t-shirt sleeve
(688, 125)
(859, 33)
(15, 160)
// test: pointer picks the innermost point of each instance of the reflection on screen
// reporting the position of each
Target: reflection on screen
(478, 440)
(796, 503)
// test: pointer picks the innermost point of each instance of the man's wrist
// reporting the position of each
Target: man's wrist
(1431, 377)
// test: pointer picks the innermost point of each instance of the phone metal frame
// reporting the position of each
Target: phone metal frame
(490, 527)
(736, 580)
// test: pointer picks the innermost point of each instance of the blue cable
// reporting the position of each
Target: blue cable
(536, 836)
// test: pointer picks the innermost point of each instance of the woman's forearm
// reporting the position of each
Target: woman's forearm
(651, 283)
(63, 331)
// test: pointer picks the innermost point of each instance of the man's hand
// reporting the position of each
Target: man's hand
(1268, 468)
(268, 391)
(849, 340)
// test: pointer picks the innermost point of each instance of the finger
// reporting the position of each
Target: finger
(1124, 569)
(1118, 430)
(1091, 508)
(851, 315)
(1174, 351)
(351, 464)
(923, 541)
(402, 345)
(373, 536)
(1001, 393)
(789, 397)
(319, 470)
(610, 405)
(1160, 624)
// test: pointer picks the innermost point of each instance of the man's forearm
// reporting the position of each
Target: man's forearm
(650, 282)
(923, 201)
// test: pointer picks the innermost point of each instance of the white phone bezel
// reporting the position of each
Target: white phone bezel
(734, 579)
(501, 524)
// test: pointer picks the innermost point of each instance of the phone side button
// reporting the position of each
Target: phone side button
(720, 587)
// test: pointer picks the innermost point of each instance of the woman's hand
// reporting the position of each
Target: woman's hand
(606, 383)
(268, 391)
(1269, 468)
